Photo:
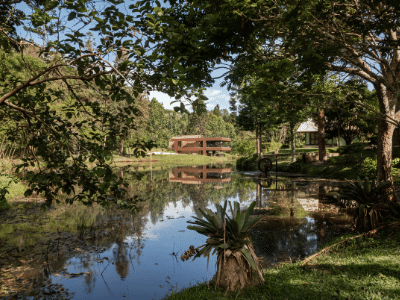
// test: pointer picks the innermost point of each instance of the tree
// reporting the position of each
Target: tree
(344, 116)
(45, 102)
(46, 29)
(352, 38)
(217, 111)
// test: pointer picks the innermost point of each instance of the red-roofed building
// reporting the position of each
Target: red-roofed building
(199, 144)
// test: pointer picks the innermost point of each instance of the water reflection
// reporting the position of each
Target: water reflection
(300, 216)
(105, 252)
(200, 174)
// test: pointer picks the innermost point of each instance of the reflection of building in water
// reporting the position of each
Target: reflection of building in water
(198, 175)
(309, 204)
(199, 144)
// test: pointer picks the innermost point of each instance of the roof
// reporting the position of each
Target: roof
(308, 126)
(187, 137)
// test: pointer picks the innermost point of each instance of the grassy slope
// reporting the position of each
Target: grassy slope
(365, 268)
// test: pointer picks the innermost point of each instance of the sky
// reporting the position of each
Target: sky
(216, 95)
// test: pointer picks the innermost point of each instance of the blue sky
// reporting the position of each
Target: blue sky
(215, 94)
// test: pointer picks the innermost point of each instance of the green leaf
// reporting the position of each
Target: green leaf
(71, 16)
(199, 229)
(249, 258)
(240, 218)
(209, 218)
(224, 246)
(28, 192)
(251, 223)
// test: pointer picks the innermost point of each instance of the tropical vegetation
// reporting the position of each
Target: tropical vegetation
(237, 263)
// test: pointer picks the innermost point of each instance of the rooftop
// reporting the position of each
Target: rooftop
(308, 126)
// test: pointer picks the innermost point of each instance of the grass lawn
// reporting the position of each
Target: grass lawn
(348, 165)
(172, 160)
(365, 268)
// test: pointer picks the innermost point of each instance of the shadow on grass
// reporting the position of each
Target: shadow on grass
(334, 280)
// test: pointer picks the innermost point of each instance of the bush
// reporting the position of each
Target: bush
(244, 147)
(248, 163)
(368, 167)
(296, 167)
(353, 148)
(271, 146)
(396, 162)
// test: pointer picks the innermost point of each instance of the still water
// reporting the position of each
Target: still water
(96, 253)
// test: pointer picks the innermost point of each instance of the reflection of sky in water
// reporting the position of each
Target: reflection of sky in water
(143, 263)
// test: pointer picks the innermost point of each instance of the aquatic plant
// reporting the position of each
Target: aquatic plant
(237, 264)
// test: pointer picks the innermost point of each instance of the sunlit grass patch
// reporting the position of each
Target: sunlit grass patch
(364, 268)
(10, 189)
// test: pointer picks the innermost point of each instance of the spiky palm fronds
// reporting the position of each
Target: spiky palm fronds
(370, 197)
(226, 235)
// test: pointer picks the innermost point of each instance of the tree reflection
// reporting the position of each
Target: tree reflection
(121, 260)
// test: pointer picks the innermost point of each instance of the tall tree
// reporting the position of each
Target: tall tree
(44, 99)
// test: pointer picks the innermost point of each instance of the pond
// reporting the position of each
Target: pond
(104, 253)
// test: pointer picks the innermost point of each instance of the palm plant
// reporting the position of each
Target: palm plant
(370, 198)
(237, 264)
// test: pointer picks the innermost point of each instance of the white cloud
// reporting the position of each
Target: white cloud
(166, 100)
(211, 93)
(214, 96)
(210, 106)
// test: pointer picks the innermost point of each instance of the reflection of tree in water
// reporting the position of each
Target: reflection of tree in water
(120, 254)
(90, 281)
(158, 192)
(282, 239)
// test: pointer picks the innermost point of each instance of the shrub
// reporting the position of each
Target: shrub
(248, 163)
(271, 146)
(244, 147)
(396, 162)
(369, 196)
(353, 148)
(369, 167)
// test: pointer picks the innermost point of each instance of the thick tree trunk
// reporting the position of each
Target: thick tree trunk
(384, 150)
(387, 105)
(321, 135)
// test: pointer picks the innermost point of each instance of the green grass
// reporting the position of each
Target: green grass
(308, 150)
(15, 189)
(173, 160)
(348, 165)
(365, 268)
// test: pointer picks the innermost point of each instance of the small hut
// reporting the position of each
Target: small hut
(310, 130)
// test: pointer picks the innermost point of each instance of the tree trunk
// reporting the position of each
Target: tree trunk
(292, 133)
(348, 140)
(121, 147)
(384, 150)
(258, 141)
(387, 105)
(321, 135)
(234, 271)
